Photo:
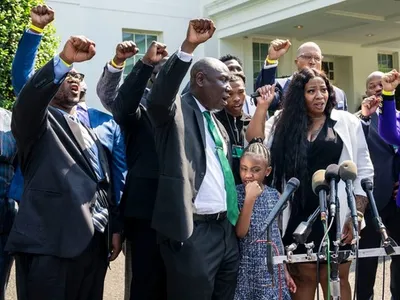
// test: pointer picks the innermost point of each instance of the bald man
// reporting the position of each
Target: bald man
(196, 206)
(386, 166)
(308, 55)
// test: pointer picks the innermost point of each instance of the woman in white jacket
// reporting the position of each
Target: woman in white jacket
(308, 134)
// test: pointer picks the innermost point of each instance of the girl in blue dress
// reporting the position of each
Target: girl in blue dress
(256, 201)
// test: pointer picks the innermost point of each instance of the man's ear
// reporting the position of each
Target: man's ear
(200, 79)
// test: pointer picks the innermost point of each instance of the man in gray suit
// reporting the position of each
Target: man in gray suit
(196, 205)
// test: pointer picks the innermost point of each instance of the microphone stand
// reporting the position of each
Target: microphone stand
(270, 263)
(334, 276)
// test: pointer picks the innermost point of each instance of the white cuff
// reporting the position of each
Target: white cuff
(186, 57)
(270, 66)
(113, 69)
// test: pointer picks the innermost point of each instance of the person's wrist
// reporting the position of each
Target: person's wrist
(188, 47)
(271, 59)
(36, 28)
(365, 116)
(147, 61)
(119, 62)
(65, 60)
(388, 92)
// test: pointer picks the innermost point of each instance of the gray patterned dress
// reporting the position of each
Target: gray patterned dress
(254, 281)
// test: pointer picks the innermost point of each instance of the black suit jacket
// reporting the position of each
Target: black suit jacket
(142, 178)
(384, 160)
(180, 142)
(60, 184)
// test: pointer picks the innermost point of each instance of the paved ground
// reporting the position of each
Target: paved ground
(114, 286)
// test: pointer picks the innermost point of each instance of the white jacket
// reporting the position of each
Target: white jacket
(355, 148)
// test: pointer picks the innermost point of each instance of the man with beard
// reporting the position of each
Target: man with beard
(67, 228)
(235, 121)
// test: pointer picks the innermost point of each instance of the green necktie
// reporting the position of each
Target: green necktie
(231, 196)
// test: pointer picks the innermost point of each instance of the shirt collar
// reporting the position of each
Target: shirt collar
(83, 105)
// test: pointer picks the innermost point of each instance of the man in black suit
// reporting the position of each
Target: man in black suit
(67, 227)
(196, 206)
(137, 203)
(386, 166)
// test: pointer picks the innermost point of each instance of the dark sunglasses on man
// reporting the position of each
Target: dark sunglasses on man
(74, 75)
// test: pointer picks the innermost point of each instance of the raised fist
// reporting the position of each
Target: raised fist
(199, 31)
(78, 49)
(370, 105)
(267, 94)
(42, 15)
(124, 51)
(278, 48)
(390, 81)
(155, 53)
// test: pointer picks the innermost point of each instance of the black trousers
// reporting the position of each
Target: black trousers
(148, 270)
(205, 266)
(42, 277)
(370, 238)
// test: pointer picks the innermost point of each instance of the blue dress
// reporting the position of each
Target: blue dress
(254, 281)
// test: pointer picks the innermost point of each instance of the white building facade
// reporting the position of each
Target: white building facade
(357, 37)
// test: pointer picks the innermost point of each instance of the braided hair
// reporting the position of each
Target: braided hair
(257, 147)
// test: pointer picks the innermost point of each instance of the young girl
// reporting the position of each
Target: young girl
(256, 201)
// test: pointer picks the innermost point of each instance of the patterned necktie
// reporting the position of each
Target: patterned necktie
(230, 188)
(83, 115)
(99, 211)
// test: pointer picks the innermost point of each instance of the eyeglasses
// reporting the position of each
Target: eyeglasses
(73, 75)
(309, 57)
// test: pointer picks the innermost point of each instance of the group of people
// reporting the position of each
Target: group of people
(183, 182)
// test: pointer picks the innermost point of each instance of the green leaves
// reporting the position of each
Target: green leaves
(14, 20)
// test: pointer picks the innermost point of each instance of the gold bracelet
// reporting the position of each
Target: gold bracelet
(117, 66)
(388, 93)
(270, 61)
(37, 29)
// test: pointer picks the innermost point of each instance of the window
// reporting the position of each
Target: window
(142, 41)
(329, 68)
(260, 51)
(385, 62)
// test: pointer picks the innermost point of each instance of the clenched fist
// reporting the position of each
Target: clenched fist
(199, 31)
(390, 81)
(124, 51)
(267, 94)
(78, 49)
(42, 15)
(370, 105)
(155, 53)
(278, 48)
(253, 190)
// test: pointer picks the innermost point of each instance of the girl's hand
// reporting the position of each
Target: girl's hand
(253, 190)
(289, 281)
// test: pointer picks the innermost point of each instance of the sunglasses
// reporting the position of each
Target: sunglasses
(73, 75)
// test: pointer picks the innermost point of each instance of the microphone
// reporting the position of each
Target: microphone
(291, 186)
(303, 230)
(320, 188)
(348, 173)
(388, 242)
(255, 94)
(332, 177)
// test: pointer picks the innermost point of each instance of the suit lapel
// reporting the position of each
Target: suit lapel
(198, 116)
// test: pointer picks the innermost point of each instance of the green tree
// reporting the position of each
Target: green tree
(14, 20)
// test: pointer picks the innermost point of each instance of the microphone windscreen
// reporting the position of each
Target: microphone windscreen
(294, 181)
(367, 184)
(318, 182)
(332, 172)
(348, 170)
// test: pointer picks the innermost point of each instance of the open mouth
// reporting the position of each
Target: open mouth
(74, 88)
(238, 106)
(319, 105)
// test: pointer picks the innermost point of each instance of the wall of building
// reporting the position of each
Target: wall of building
(353, 62)
(103, 21)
